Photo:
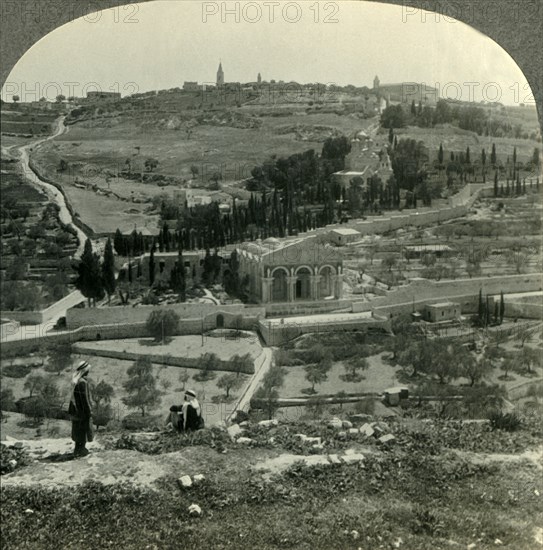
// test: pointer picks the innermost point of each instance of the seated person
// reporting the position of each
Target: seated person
(190, 418)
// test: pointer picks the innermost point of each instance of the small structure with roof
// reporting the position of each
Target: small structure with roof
(442, 311)
(344, 235)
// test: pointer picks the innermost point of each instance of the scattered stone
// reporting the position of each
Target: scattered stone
(335, 423)
(312, 440)
(244, 440)
(12, 463)
(353, 431)
(471, 546)
(342, 435)
(271, 440)
(315, 460)
(355, 457)
(234, 431)
(198, 478)
(347, 425)
(377, 429)
(350, 451)
(355, 534)
(269, 423)
(398, 542)
(334, 459)
(498, 542)
(195, 510)
(318, 446)
(18, 445)
(244, 423)
(388, 438)
(185, 481)
(29, 511)
(367, 430)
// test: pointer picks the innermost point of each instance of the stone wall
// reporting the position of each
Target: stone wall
(24, 317)
(277, 334)
(185, 362)
(78, 317)
(423, 291)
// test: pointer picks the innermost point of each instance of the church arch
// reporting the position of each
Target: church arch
(279, 284)
(303, 283)
(326, 283)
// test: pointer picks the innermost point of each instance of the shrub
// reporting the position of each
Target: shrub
(137, 422)
(16, 371)
(162, 324)
(509, 422)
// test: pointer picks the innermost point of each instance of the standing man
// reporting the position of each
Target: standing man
(80, 410)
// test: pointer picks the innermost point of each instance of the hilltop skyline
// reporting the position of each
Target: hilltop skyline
(163, 44)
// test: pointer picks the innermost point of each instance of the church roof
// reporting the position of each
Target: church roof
(292, 252)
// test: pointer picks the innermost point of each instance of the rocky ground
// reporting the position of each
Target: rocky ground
(352, 483)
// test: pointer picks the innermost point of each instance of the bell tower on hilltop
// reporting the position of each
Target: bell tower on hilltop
(220, 75)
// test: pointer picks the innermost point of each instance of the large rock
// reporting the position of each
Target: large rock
(234, 431)
(353, 431)
(386, 439)
(185, 482)
(315, 460)
(244, 440)
(334, 459)
(347, 425)
(367, 430)
(195, 510)
(354, 457)
(198, 478)
(335, 423)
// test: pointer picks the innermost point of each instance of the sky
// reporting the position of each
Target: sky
(161, 44)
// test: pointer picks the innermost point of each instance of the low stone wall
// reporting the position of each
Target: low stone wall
(38, 317)
(523, 309)
(185, 362)
(78, 317)
(277, 334)
(427, 291)
(306, 308)
(24, 317)
(8, 328)
(120, 331)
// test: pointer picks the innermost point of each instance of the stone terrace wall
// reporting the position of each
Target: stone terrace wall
(276, 335)
(427, 291)
(185, 362)
(78, 317)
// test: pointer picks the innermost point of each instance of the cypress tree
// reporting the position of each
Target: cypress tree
(152, 265)
(118, 243)
(502, 307)
(481, 308)
(89, 276)
(495, 184)
(493, 155)
(108, 270)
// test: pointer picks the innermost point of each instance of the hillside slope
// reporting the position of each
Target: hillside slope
(306, 485)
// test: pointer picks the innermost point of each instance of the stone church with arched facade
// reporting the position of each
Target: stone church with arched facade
(291, 271)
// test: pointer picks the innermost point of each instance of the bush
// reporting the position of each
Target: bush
(162, 324)
(509, 422)
(16, 371)
(137, 422)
